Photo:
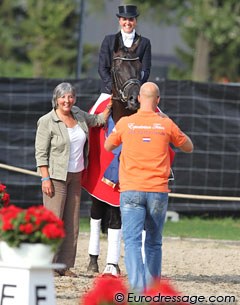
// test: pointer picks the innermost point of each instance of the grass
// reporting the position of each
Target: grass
(84, 224)
(195, 227)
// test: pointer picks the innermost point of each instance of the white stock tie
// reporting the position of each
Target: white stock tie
(128, 39)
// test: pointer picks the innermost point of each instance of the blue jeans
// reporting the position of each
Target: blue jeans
(143, 210)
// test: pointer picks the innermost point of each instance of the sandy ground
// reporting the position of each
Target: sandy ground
(195, 267)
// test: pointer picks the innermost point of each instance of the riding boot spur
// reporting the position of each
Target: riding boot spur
(94, 245)
(113, 254)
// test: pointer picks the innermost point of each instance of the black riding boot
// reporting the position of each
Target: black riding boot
(93, 264)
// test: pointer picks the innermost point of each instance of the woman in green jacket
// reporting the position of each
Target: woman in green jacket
(61, 151)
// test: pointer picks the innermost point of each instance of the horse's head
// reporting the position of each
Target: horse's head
(126, 75)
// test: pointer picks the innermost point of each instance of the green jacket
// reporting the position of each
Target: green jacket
(52, 144)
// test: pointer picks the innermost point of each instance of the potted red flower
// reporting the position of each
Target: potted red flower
(35, 226)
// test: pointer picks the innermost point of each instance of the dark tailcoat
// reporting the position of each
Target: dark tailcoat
(105, 59)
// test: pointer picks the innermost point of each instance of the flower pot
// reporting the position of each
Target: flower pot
(27, 254)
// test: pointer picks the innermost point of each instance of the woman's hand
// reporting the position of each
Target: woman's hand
(47, 188)
(107, 110)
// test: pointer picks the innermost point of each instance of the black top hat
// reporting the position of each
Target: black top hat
(127, 11)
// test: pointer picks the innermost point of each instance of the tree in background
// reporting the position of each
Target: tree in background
(39, 38)
(49, 36)
(210, 30)
(9, 47)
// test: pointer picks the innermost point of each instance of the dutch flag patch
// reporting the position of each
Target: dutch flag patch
(146, 139)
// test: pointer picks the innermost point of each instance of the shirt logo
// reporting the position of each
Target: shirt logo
(146, 139)
(154, 126)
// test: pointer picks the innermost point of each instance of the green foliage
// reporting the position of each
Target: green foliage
(8, 35)
(218, 21)
(48, 44)
(40, 38)
(197, 227)
(194, 227)
(84, 224)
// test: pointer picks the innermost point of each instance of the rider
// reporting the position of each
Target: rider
(127, 15)
(127, 35)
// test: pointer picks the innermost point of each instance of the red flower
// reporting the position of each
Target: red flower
(6, 216)
(105, 289)
(26, 228)
(166, 290)
(7, 225)
(6, 199)
(52, 230)
(4, 196)
(2, 188)
(90, 298)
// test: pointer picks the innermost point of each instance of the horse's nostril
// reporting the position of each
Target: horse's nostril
(132, 100)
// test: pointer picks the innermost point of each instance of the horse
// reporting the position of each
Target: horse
(126, 75)
(98, 180)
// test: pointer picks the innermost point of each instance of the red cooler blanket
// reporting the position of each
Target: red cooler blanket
(99, 160)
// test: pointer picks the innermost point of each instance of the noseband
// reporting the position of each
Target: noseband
(122, 89)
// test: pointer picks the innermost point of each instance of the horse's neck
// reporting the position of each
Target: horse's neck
(119, 110)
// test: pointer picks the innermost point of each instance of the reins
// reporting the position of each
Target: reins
(125, 58)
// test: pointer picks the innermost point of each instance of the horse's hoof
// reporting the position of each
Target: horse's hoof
(93, 264)
(112, 269)
(93, 267)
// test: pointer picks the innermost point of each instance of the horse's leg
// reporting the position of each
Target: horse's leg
(97, 211)
(114, 241)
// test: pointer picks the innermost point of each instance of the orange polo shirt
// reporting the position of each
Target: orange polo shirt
(144, 160)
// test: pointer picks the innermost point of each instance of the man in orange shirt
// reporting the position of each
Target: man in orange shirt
(143, 175)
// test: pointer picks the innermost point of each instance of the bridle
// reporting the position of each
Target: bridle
(122, 90)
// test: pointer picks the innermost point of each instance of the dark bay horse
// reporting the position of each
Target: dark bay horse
(105, 211)
(126, 75)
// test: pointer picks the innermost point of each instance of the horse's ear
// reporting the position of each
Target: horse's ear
(135, 44)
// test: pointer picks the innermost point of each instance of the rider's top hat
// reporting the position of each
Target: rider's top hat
(127, 11)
